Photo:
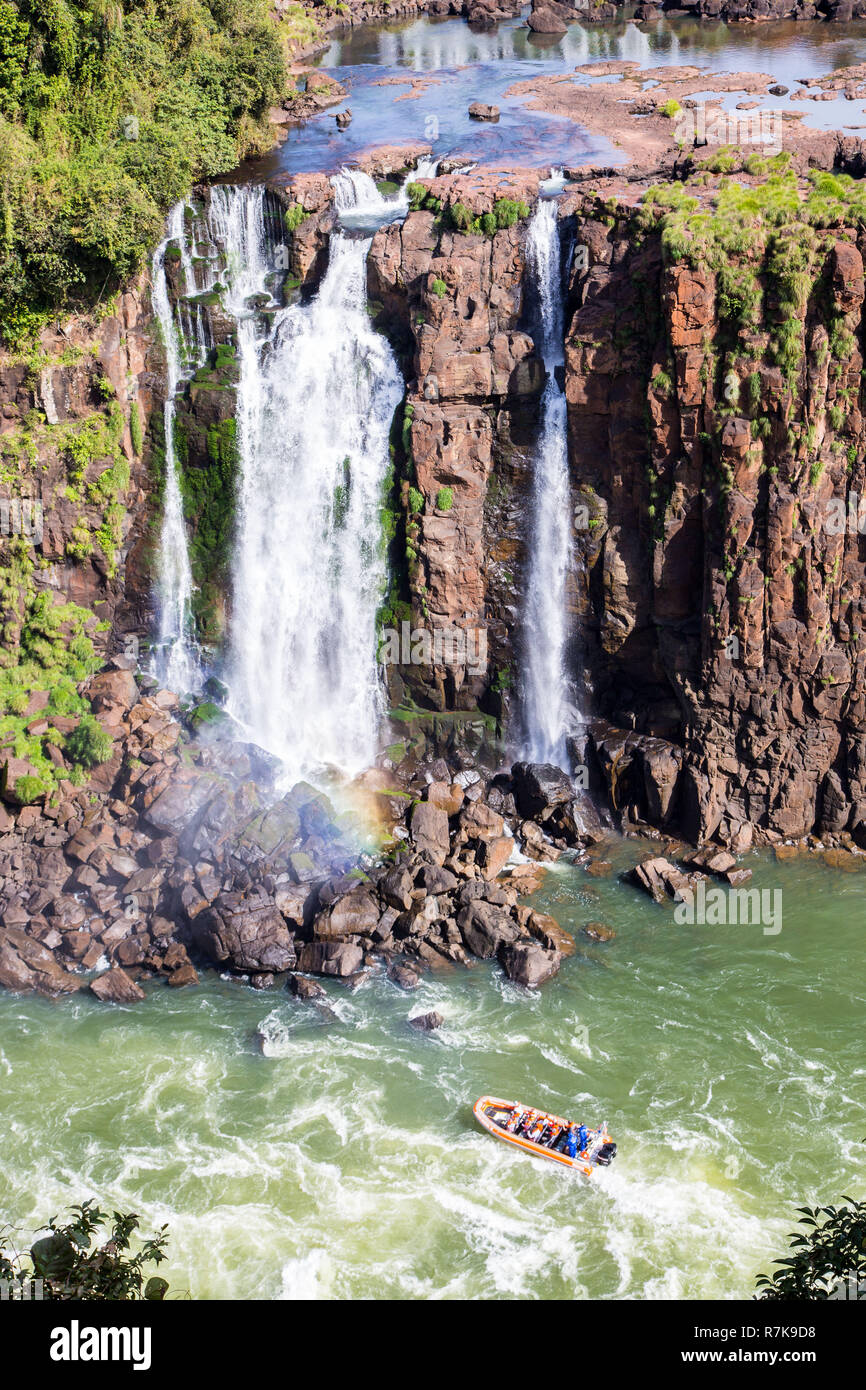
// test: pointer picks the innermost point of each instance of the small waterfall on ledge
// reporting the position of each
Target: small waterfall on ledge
(545, 682)
(317, 395)
(175, 662)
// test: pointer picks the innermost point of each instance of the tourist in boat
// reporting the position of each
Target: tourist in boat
(571, 1142)
(582, 1138)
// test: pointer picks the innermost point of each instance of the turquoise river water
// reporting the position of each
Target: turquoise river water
(341, 1159)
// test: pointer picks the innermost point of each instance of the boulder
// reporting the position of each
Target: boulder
(184, 975)
(527, 963)
(305, 989)
(598, 931)
(545, 21)
(26, 964)
(246, 933)
(599, 868)
(396, 887)
(538, 787)
(480, 111)
(429, 831)
(293, 901)
(403, 975)
(480, 822)
(552, 936)
(495, 854)
(116, 987)
(447, 796)
(436, 880)
(339, 958)
(526, 878)
(485, 927)
(658, 877)
(427, 1023)
(354, 914)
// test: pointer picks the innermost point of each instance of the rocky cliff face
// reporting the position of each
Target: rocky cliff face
(717, 452)
(715, 443)
(73, 411)
(713, 376)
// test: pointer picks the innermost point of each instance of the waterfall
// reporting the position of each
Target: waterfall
(174, 661)
(546, 687)
(317, 394)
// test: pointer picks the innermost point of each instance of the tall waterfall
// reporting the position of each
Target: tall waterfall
(546, 685)
(317, 394)
(174, 659)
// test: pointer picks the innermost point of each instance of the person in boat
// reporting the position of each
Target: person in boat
(514, 1122)
(571, 1142)
(582, 1138)
(526, 1122)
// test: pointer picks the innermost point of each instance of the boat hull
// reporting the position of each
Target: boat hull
(488, 1108)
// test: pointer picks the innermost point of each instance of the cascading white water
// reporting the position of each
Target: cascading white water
(174, 659)
(546, 685)
(317, 394)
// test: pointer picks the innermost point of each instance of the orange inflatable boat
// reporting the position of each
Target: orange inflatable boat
(545, 1136)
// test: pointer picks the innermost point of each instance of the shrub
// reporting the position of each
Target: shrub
(295, 215)
(88, 744)
(445, 499)
(416, 501)
(72, 1267)
(823, 1258)
(440, 288)
(670, 108)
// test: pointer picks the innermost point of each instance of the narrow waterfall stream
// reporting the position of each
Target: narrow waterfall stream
(317, 395)
(174, 658)
(546, 685)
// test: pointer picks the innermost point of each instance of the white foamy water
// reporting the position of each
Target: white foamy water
(339, 1158)
(545, 681)
(175, 661)
(317, 395)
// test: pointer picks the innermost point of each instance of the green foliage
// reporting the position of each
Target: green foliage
(136, 430)
(823, 1258)
(662, 382)
(670, 108)
(74, 1263)
(108, 114)
(295, 215)
(506, 212)
(88, 744)
(418, 196)
(766, 245)
(445, 499)
(439, 288)
(208, 496)
(416, 501)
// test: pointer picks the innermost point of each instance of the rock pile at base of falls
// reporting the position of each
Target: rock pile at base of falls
(180, 852)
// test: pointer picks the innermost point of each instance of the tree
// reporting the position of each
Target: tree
(828, 1261)
(73, 1264)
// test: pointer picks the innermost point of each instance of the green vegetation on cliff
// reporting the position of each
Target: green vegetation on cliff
(108, 113)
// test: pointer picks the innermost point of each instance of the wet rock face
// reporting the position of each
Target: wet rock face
(94, 378)
(720, 594)
(453, 302)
